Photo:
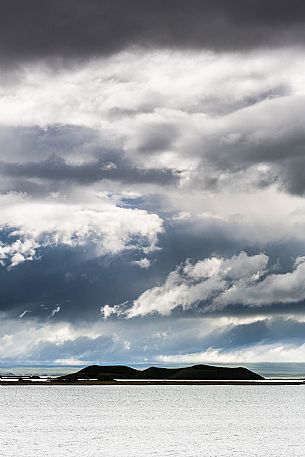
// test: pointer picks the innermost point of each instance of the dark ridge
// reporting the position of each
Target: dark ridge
(196, 372)
(217, 373)
(103, 373)
(157, 373)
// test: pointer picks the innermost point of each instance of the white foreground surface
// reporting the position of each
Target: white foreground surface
(132, 421)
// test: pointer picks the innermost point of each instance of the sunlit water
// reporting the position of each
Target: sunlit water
(106, 421)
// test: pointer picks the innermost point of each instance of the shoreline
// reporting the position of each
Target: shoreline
(271, 382)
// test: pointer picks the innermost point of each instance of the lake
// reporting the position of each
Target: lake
(132, 421)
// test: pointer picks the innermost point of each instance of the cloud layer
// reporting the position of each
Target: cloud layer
(76, 29)
(214, 283)
(51, 223)
(152, 181)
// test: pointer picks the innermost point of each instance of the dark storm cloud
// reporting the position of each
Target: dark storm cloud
(47, 155)
(110, 166)
(248, 150)
(68, 278)
(270, 134)
(51, 155)
(79, 28)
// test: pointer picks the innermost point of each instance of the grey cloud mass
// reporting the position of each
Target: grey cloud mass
(82, 28)
(38, 160)
(109, 166)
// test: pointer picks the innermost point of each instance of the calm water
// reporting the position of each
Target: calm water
(132, 421)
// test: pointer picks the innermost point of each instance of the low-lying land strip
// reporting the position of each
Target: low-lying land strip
(124, 375)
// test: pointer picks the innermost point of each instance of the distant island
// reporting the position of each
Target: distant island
(124, 375)
(193, 373)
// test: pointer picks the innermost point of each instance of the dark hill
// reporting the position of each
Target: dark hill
(200, 372)
(100, 372)
(196, 372)
(157, 373)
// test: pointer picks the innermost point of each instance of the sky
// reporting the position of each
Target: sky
(152, 162)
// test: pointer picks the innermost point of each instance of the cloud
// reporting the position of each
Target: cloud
(142, 263)
(55, 311)
(275, 288)
(107, 311)
(215, 128)
(61, 29)
(26, 339)
(18, 252)
(199, 282)
(23, 313)
(163, 89)
(138, 136)
(214, 157)
(50, 223)
(54, 159)
(100, 340)
(265, 353)
(157, 340)
(101, 166)
(217, 282)
(251, 146)
(72, 361)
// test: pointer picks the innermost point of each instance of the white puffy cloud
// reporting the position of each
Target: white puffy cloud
(96, 219)
(17, 252)
(275, 288)
(194, 283)
(218, 282)
(107, 310)
(142, 263)
(101, 91)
